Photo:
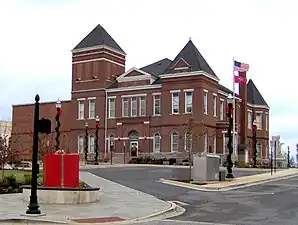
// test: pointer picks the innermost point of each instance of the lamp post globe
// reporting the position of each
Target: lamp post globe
(97, 119)
(86, 124)
(58, 104)
(58, 124)
(230, 99)
(97, 124)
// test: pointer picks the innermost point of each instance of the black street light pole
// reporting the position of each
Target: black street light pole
(271, 157)
(230, 147)
(86, 142)
(33, 207)
(57, 129)
(97, 125)
(254, 130)
(289, 163)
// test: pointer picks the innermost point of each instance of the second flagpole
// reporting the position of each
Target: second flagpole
(234, 113)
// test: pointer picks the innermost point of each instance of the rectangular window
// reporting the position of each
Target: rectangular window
(156, 105)
(124, 107)
(221, 110)
(142, 104)
(174, 142)
(81, 110)
(80, 144)
(134, 111)
(205, 102)
(188, 102)
(91, 144)
(214, 144)
(259, 117)
(91, 108)
(175, 103)
(214, 105)
(267, 122)
(249, 120)
(112, 108)
(205, 143)
(156, 143)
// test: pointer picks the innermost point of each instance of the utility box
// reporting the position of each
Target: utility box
(205, 168)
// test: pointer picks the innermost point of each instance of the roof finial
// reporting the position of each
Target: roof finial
(190, 38)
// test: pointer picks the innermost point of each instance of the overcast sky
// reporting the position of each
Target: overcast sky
(37, 37)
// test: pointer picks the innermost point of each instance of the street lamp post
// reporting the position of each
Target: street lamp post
(254, 130)
(97, 120)
(289, 160)
(230, 147)
(86, 142)
(57, 129)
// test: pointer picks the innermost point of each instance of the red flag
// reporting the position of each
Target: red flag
(240, 80)
(60, 111)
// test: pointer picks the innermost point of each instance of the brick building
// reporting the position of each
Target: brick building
(153, 101)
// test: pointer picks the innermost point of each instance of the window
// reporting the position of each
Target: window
(259, 117)
(188, 102)
(221, 110)
(91, 144)
(174, 142)
(134, 106)
(188, 142)
(214, 144)
(267, 122)
(175, 103)
(249, 120)
(156, 105)
(205, 102)
(91, 108)
(80, 144)
(156, 142)
(124, 107)
(214, 104)
(205, 143)
(111, 142)
(112, 108)
(80, 109)
(142, 105)
(259, 150)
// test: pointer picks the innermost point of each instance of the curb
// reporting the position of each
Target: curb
(174, 209)
(232, 187)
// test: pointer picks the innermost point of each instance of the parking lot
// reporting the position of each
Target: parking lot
(269, 203)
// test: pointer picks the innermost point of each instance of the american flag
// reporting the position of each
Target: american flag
(240, 67)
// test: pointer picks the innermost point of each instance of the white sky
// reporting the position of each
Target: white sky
(36, 38)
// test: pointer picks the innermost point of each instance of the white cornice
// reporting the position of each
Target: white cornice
(98, 59)
(258, 106)
(96, 48)
(187, 74)
(134, 88)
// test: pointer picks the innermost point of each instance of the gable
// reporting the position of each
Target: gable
(134, 75)
(181, 64)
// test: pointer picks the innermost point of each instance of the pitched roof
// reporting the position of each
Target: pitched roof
(193, 57)
(158, 67)
(99, 36)
(254, 96)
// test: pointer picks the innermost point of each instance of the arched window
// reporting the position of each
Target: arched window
(111, 142)
(156, 142)
(91, 144)
(174, 142)
(188, 142)
(80, 144)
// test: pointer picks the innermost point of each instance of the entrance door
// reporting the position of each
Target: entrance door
(134, 143)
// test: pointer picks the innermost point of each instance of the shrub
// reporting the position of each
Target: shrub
(9, 181)
(27, 179)
(83, 185)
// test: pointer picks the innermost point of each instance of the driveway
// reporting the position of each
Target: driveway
(269, 203)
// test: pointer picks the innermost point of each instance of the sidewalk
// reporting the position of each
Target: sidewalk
(239, 182)
(118, 203)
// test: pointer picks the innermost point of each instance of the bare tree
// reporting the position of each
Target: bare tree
(5, 152)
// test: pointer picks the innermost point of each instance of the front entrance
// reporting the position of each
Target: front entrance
(134, 143)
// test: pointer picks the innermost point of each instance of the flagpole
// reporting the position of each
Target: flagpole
(234, 111)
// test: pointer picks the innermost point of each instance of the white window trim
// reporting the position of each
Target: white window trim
(249, 121)
(188, 90)
(214, 105)
(266, 122)
(261, 122)
(131, 101)
(205, 143)
(78, 140)
(81, 99)
(175, 113)
(89, 144)
(205, 92)
(185, 102)
(89, 100)
(135, 95)
(154, 142)
(221, 108)
(172, 142)
(175, 91)
(83, 110)
(140, 105)
(156, 93)
(111, 117)
(214, 144)
(111, 97)
(122, 106)
(154, 99)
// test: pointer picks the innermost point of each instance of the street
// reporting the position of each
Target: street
(268, 203)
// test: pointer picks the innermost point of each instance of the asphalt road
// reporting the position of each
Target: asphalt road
(272, 203)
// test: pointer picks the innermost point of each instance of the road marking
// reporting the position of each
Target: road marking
(284, 185)
(254, 192)
(194, 222)
(180, 203)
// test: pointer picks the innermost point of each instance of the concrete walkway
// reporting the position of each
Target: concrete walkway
(236, 183)
(118, 203)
